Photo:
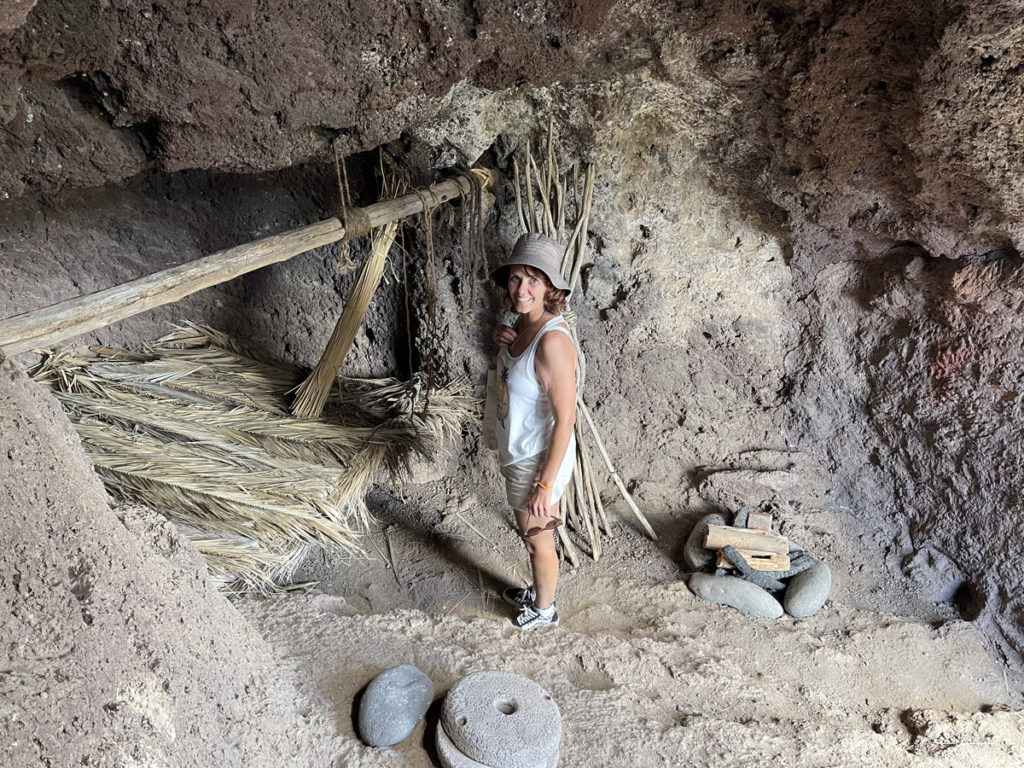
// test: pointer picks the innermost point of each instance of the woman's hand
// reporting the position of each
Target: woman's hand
(504, 335)
(539, 503)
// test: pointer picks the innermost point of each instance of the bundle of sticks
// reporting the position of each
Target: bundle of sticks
(544, 198)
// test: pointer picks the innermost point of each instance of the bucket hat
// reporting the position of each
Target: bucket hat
(538, 251)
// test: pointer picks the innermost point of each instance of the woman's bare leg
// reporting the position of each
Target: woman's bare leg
(543, 559)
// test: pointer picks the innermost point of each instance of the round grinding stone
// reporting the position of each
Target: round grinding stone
(451, 757)
(502, 719)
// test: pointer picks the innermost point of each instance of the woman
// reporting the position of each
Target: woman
(536, 369)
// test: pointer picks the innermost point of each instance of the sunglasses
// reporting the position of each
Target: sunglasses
(553, 523)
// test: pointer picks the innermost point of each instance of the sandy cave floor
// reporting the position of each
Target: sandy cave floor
(644, 673)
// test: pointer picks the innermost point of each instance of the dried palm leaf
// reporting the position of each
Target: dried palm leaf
(239, 565)
(194, 428)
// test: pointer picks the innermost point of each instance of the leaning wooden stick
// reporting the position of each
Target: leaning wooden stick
(588, 471)
(568, 548)
(46, 326)
(615, 475)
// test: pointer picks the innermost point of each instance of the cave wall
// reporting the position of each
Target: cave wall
(117, 648)
(758, 162)
(931, 408)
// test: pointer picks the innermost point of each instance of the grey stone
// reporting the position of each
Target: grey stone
(502, 719)
(808, 591)
(695, 556)
(452, 757)
(394, 702)
(736, 593)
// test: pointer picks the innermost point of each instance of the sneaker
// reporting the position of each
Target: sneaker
(531, 617)
(517, 597)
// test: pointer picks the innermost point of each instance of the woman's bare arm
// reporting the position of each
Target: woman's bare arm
(556, 369)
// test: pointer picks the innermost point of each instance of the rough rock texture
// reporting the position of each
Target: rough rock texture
(98, 91)
(929, 409)
(984, 738)
(116, 649)
(501, 718)
(13, 14)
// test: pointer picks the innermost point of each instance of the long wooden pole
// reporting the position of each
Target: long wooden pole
(46, 326)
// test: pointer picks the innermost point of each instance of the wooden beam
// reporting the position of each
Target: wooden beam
(46, 326)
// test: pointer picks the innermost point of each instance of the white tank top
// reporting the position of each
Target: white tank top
(525, 417)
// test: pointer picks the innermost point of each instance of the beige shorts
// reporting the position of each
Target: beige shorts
(521, 477)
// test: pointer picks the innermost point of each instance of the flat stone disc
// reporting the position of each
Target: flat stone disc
(451, 757)
(503, 719)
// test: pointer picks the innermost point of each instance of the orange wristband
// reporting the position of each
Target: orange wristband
(545, 487)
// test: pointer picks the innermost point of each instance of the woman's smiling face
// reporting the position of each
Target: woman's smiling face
(526, 290)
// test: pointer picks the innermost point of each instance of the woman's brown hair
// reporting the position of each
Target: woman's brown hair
(554, 298)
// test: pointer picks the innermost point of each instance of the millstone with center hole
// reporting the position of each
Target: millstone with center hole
(502, 719)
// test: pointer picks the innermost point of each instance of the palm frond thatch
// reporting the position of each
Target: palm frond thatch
(201, 432)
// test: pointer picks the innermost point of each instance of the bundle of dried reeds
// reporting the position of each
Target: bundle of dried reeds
(200, 432)
(581, 505)
(312, 393)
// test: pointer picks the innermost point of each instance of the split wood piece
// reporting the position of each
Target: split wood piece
(586, 480)
(529, 191)
(759, 561)
(611, 469)
(588, 472)
(760, 521)
(580, 244)
(547, 224)
(45, 327)
(567, 509)
(519, 197)
(719, 536)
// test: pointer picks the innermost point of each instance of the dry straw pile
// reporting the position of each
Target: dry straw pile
(197, 430)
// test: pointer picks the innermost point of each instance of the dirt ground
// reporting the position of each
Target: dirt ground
(644, 673)
(122, 654)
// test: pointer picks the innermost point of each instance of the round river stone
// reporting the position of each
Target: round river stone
(394, 702)
(695, 556)
(735, 592)
(807, 592)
